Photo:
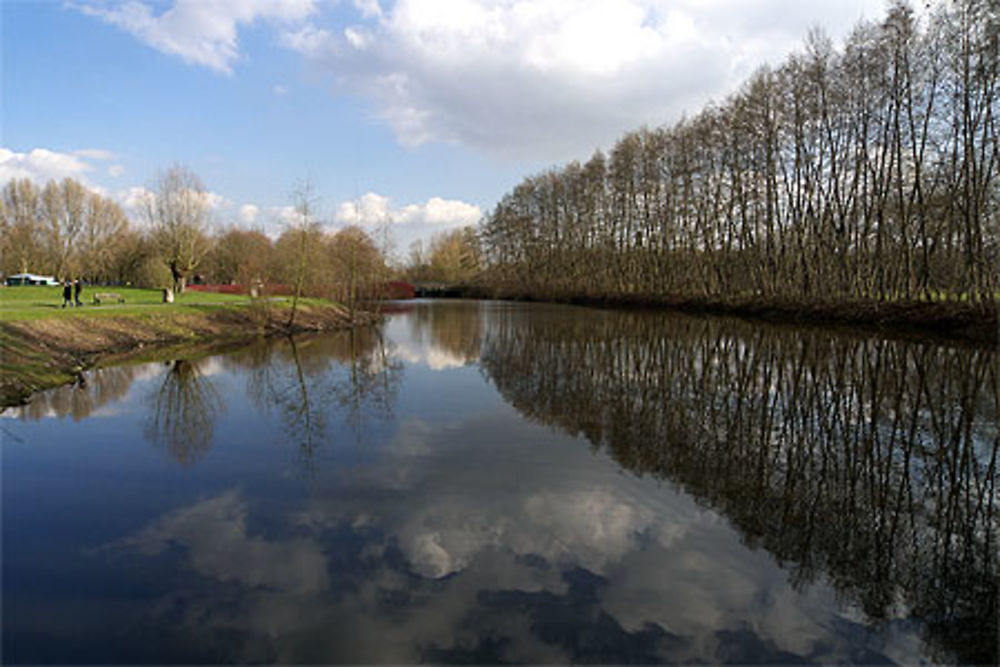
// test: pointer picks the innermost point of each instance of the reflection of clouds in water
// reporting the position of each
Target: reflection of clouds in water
(214, 533)
(464, 547)
(18, 412)
(463, 500)
(434, 357)
(211, 366)
(100, 394)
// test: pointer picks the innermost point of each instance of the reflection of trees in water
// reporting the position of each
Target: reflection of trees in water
(457, 328)
(183, 411)
(79, 400)
(870, 462)
(307, 379)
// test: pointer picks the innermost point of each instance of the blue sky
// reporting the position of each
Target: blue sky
(419, 112)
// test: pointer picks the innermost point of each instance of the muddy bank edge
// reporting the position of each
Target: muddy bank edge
(44, 353)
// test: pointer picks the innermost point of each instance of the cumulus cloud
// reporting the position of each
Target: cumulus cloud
(248, 213)
(541, 79)
(368, 8)
(134, 199)
(284, 215)
(41, 165)
(213, 200)
(551, 79)
(409, 223)
(199, 32)
(372, 209)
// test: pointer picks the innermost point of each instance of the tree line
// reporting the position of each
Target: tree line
(868, 172)
(69, 231)
(453, 257)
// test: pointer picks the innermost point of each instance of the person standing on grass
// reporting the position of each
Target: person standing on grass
(67, 294)
(76, 291)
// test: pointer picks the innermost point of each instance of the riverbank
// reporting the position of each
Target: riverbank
(45, 352)
(954, 320)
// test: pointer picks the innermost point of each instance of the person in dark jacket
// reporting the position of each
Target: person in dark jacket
(67, 293)
(77, 286)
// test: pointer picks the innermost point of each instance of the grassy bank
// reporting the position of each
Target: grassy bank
(44, 345)
(38, 302)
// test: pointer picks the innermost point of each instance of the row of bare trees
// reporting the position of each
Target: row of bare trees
(61, 228)
(869, 172)
(69, 231)
(453, 257)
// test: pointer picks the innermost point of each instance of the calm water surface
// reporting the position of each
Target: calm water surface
(487, 482)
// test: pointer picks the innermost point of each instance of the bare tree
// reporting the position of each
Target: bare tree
(179, 213)
(65, 206)
(304, 226)
(19, 227)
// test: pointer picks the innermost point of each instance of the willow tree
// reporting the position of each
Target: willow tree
(178, 211)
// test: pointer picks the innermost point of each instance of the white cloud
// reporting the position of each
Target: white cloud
(372, 209)
(248, 213)
(279, 90)
(41, 165)
(213, 200)
(555, 79)
(368, 8)
(285, 215)
(359, 39)
(134, 199)
(408, 223)
(200, 32)
(94, 154)
(116, 170)
(308, 40)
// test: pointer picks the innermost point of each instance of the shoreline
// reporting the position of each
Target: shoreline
(946, 320)
(43, 353)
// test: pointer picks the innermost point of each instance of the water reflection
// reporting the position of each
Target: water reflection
(83, 398)
(869, 462)
(182, 411)
(308, 380)
(442, 338)
(788, 496)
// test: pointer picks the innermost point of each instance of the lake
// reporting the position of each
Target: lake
(496, 482)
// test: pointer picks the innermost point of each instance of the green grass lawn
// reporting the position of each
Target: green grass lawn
(37, 302)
